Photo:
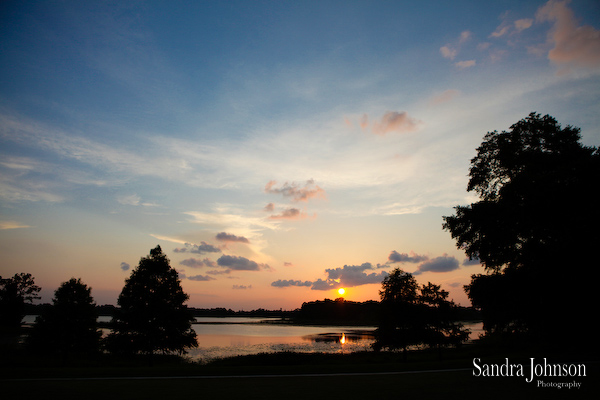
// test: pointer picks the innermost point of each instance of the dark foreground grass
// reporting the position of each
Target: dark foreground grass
(422, 375)
(429, 385)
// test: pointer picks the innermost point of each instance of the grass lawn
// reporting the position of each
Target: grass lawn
(441, 385)
(418, 377)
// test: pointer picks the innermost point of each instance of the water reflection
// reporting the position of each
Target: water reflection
(218, 338)
(343, 337)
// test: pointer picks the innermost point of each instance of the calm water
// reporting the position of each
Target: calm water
(226, 337)
(233, 336)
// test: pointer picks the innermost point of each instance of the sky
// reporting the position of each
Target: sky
(275, 150)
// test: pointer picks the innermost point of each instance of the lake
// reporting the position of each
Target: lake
(227, 337)
(233, 336)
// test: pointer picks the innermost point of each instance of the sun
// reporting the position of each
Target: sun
(341, 291)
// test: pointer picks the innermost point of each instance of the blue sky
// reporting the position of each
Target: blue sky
(275, 150)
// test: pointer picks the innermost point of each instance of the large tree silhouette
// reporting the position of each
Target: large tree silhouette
(69, 325)
(534, 228)
(152, 316)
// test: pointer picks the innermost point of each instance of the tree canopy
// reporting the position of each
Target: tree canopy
(69, 325)
(534, 227)
(15, 292)
(414, 315)
(152, 316)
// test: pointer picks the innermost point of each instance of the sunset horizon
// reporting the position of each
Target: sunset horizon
(277, 152)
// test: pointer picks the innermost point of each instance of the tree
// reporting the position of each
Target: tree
(399, 327)
(533, 228)
(439, 317)
(15, 292)
(414, 315)
(69, 325)
(152, 316)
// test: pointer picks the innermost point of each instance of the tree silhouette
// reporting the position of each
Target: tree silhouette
(439, 317)
(69, 325)
(152, 316)
(414, 315)
(399, 327)
(533, 229)
(15, 292)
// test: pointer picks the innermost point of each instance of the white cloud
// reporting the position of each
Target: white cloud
(574, 46)
(500, 31)
(448, 52)
(522, 24)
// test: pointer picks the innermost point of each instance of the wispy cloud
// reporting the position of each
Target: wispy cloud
(393, 121)
(444, 97)
(134, 200)
(168, 238)
(249, 225)
(200, 278)
(296, 192)
(26, 179)
(451, 50)
(465, 64)
(509, 26)
(390, 122)
(290, 214)
(6, 225)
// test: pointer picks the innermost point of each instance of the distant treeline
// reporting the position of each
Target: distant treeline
(358, 313)
(318, 312)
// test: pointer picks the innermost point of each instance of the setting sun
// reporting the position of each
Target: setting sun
(341, 291)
